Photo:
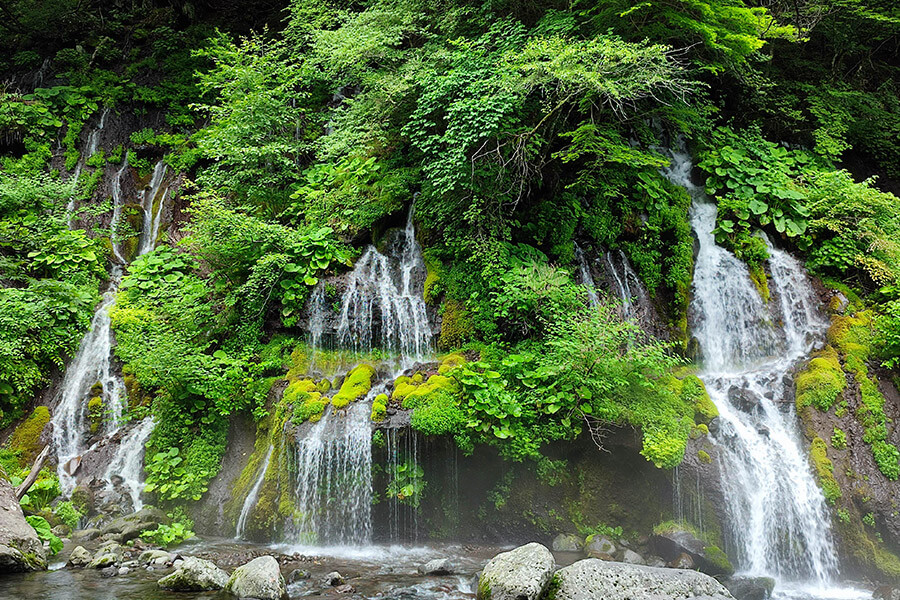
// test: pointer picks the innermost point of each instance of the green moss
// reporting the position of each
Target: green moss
(323, 386)
(95, 413)
(417, 392)
(379, 407)
(432, 277)
(694, 392)
(440, 414)
(824, 468)
(719, 559)
(356, 385)
(450, 362)
(484, 589)
(761, 281)
(456, 325)
(838, 439)
(704, 457)
(821, 383)
(869, 553)
(26, 438)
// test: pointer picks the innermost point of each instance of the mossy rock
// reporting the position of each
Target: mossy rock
(355, 386)
(450, 362)
(95, 413)
(379, 407)
(456, 325)
(761, 281)
(415, 391)
(27, 436)
(432, 277)
(822, 382)
(818, 453)
(704, 457)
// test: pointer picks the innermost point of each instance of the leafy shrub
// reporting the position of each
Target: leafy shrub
(42, 528)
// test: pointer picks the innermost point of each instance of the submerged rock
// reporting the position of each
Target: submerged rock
(194, 575)
(520, 574)
(334, 579)
(590, 579)
(20, 547)
(79, 557)
(567, 542)
(298, 575)
(438, 566)
(260, 579)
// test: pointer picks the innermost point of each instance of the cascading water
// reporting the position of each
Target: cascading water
(250, 500)
(117, 214)
(587, 280)
(153, 204)
(333, 479)
(387, 284)
(777, 517)
(128, 462)
(93, 145)
(403, 468)
(91, 366)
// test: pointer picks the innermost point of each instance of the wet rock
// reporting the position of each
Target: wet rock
(110, 571)
(79, 558)
(590, 579)
(673, 544)
(600, 547)
(260, 578)
(129, 527)
(682, 561)
(750, 588)
(520, 574)
(148, 557)
(194, 575)
(20, 547)
(655, 561)
(345, 589)
(742, 399)
(439, 566)
(107, 555)
(334, 579)
(298, 575)
(86, 535)
(61, 530)
(567, 542)
(714, 425)
(124, 571)
(632, 558)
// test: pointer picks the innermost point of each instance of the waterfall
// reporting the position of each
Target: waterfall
(117, 213)
(333, 479)
(153, 205)
(250, 500)
(402, 457)
(778, 522)
(587, 280)
(128, 462)
(93, 145)
(384, 296)
(90, 366)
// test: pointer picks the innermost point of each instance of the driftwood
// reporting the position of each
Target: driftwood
(33, 475)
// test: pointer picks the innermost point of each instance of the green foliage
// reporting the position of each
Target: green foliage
(822, 382)
(407, 483)
(838, 439)
(173, 534)
(356, 385)
(68, 514)
(42, 528)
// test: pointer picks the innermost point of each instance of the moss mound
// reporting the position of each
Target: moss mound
(822, 382)
(27, 436)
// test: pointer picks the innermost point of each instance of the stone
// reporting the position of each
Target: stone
(600, 547)
(567, 542)
(86, 535)
(150, 557)
(110, 571)
(345, 589)
(260, 578)
(107, 555)
(590, 579)
(520, 574)
(632, 558)
(194, 575)
(298, 575)
(62, 530)
(20, 548)
(438, 566)
(79, 558)
(334, 579)
(124, 571)
(655, 561)
(129, 527)
(682, 561)
(709, 559)
(750, 588)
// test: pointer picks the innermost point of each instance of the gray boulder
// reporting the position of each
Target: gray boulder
(107, 555)
(260, 579)
(86, 535)
(750, 588)
(20, 547)
(591, 578)
(155, 557)
(438, 566)
(600, 547)
(520, 574)
(674, 544)
(567, 542)
(632, 558)
(128, 527)
(194, 575)
(79, 557)
(334, 579)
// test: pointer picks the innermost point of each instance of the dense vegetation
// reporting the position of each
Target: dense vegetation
(520, 128)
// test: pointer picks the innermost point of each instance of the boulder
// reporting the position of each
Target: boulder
(520, 574)
(194, 575)
(107, 555)
(260, 579)
(20, 547)
(298, 575)
(591, 578)
(110, 571)
(750, 588)
(345, 589)
(633, 558)
(438, 566)
(79, 557)
(567, 542)
(600, 547)
(86, 535)
(128, 527)
(334, 579)
(672, 545)
(155, 557)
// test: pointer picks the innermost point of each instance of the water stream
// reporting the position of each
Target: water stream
(128, 463)
(250, 500)
(93, 144)
(777, 518)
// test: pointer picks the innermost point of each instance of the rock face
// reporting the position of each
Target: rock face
(20, 547)
(260, 578)
(194, 575)
(590, 579)
(678, 545)
(520, 574)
